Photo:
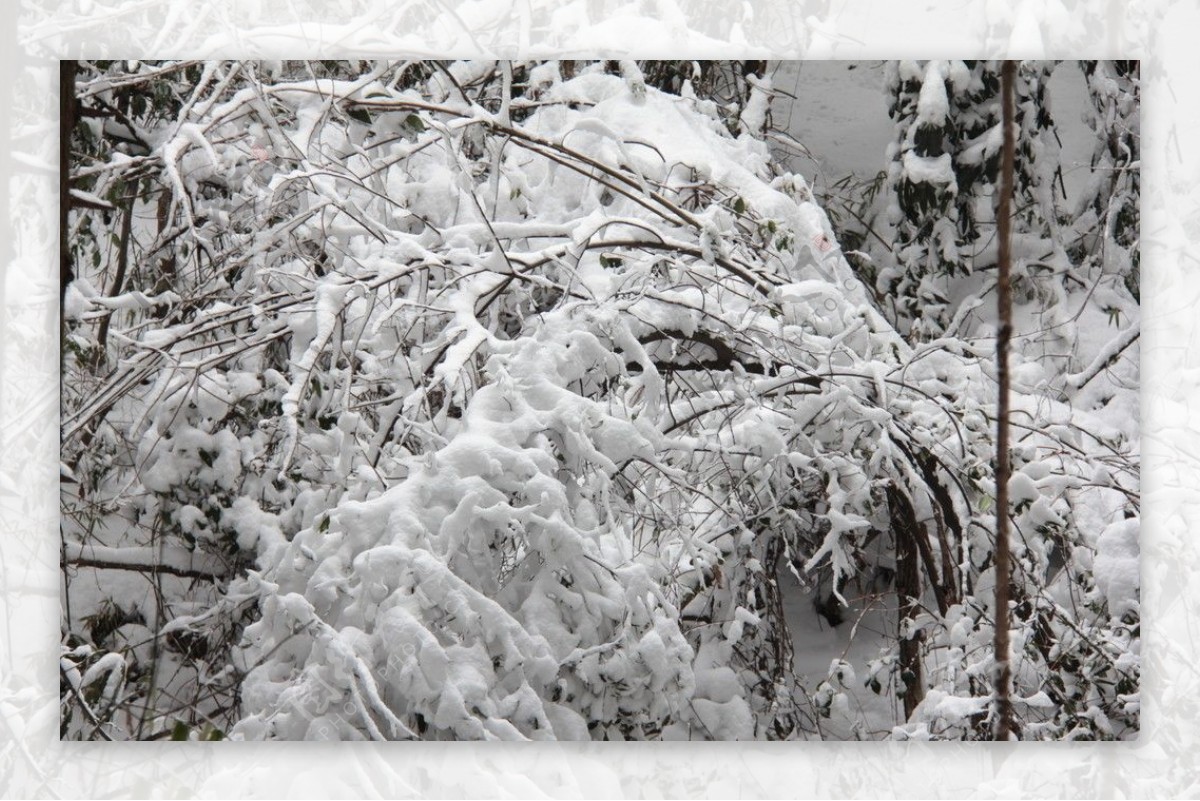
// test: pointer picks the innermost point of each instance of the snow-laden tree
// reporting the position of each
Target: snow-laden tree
(942, 178)
(483, 400)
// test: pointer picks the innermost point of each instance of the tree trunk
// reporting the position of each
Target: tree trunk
(1005, 725)
(66, 124)
(908, 595)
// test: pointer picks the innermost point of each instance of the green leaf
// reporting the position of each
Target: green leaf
(179, 732)
(739, 206)
(323, 526)
(415, 122)
(360, 114)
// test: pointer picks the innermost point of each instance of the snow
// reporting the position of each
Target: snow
(110, 666)
(729, 721)
(754, 116)
(1022, 489)
(91, 200)
(135, 300)
(932, 105)
(942, 706)
(1117, 566)
(76, 300)
(938, 170)
(1106, 355)
(820, 649)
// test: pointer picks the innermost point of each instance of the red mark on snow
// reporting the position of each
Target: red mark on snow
(822, 243)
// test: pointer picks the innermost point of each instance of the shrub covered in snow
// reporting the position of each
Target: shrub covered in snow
(491, 400)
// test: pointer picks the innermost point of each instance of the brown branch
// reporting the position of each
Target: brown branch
(948, 517)
(118, 280)
(174, 560)
(921, 537)
(724, 355)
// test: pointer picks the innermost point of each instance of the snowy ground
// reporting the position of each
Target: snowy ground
(869, 622)
(839, 113)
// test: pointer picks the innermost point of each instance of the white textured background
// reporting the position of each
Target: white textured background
(1165, 762)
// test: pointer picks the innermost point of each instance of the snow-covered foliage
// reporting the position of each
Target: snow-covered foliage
(943, 171)
(488, 400)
